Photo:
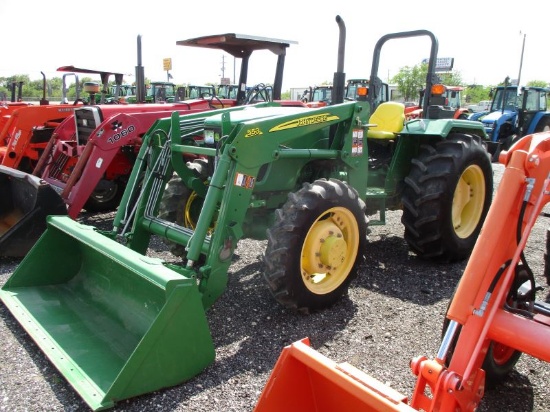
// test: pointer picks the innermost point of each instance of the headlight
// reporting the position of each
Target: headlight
(209, 136)
(489, 126)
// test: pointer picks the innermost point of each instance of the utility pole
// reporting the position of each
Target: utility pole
(224, 80)
(521, 60)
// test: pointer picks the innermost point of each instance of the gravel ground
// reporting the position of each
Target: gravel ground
(393, 312)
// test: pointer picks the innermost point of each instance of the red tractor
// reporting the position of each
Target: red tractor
(88, 160)
(91, 168)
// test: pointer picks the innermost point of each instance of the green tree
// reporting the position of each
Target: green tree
(410, 80)
(7, 84)
(451, 78)
(33, 90)
(537, 83)
(475, 93)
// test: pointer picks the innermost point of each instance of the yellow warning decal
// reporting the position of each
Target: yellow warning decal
(305, 121)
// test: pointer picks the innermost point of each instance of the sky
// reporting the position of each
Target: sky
(486, 39)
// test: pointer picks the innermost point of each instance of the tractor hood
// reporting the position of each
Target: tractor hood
(254, 113)
(108, 110)
(500, 115)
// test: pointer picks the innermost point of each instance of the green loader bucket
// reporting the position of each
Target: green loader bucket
(25, 201)
(115, 323)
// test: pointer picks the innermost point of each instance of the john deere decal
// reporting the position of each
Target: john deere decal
(305, 121)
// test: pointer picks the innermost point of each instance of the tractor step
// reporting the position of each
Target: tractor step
(376, 200)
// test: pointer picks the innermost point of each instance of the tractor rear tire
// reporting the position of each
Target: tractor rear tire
(446, 197)
(315, 245)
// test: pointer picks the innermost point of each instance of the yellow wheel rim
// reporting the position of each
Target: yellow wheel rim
(329, 250)
(468, 201)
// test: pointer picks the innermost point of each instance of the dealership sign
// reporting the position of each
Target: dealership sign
(442, 64)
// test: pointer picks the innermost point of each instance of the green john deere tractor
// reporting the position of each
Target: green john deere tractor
(117, 323)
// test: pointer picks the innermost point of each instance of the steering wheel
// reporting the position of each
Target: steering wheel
(211, 104)
(260, 90)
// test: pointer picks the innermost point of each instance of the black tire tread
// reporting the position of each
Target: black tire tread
(170, 209)
(285, 241)
(93, 205)
(428, 195)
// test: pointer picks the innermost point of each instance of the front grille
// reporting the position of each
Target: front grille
(87, 120)
(58, 166)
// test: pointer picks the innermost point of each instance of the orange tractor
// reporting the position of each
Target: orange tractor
(28, 129)
(492, 319)
(444, 103)
(8, 107)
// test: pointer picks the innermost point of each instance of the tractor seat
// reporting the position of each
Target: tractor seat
(389, 118)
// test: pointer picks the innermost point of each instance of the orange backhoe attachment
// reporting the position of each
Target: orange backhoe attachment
(492, 318)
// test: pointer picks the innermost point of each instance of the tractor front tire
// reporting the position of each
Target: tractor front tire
(106, 196)
(181, 205)
(176, 201)
(315, 245)
(446, 197)
(498, 363)
(499, 360)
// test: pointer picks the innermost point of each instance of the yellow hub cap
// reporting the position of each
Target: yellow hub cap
(468, 201)
(329, 250)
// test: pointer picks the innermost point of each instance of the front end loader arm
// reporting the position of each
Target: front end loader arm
(477, 312)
